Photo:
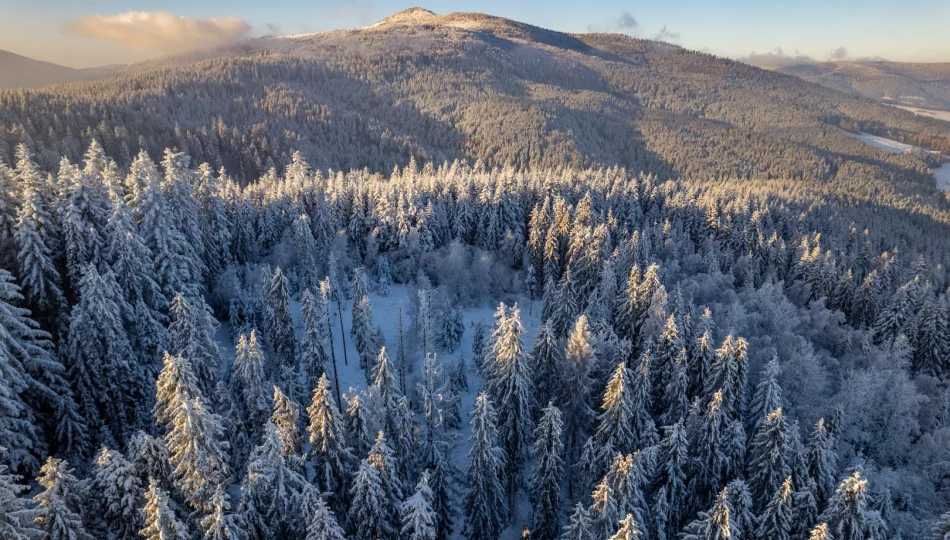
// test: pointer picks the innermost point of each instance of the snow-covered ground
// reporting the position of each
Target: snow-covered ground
(939, 115)
(385, 310)
(881, 143)
(941, 174)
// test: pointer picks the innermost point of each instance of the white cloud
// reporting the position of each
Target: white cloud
(777, 58)
(163, 32)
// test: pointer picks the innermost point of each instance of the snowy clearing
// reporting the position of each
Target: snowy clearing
(929, 113)
(941, 174)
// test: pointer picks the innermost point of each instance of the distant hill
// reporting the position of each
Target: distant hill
(926, 86)
(471, 87)
(18, 71)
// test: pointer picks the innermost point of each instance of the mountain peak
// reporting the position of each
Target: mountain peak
(410, 16)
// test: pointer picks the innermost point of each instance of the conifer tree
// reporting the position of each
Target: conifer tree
(249, 374)
(150, 457)
(673, 461)
(313, 347)
(16, 518)
(329, 455)
(99, 355)
(509, 386)
(192, 336)
(740, 502)
(364, 337)
(644, 428)
(776, 521)
(197, 451)
(280, 324)
(820, 532)
(485, 513)
(324, 525)
(770, 460)
(628, 529)
(615, 427)
(276, 497)
(580, 526)
(34, 235)
(57, 506)
(579, 362)
(222, 523)
(768, 395)
(27, 369)
(545, 486)
(821, 461)
(358, 424)
(286, 416)
(664, 355)
(376, 494)
(120, 493)
(715, 524)
(161, 523)
(847, 513)
(546, 364)
(453, 327)
(418, 518)
(710, 444)
(675, 395)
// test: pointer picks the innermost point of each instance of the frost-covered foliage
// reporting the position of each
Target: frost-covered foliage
(736, 357)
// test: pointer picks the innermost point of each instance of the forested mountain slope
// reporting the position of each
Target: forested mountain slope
(911, 84)
(468, 86)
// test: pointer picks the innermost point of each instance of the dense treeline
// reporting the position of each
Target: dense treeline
(735, 360)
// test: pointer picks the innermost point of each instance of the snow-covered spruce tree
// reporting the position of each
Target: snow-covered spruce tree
(716, 524)
(579, 361)
(644, 427)
(323, 525)
(545, 484)
(83, 221)
(197, 451)
(629, 530)
(150, 456)
(820, 532)
(453, 327)
(418, 518)
(313, 346)
(57, 506)
(222, 523)
(276, 498)
(364, 335)
(710, 448)
(740, 502)
(99, 353)
(604, 512)
(664, 353)
(161, 523)
(580, 526)
(216, 224)
(286, 416)
(847, 513)
(176, 382)
(509, 387)
(727, 374)
(614, 432)
(34, 234)
(305, 247)
(119, 493)
(485, 513)
(359, 423)
(329, 455)
(376, 494)
(676, 394)
(178, 186)
(16, 516)
(546, 364)
(702, 355)
(280, 324)
(131, 263)
(767, 397)
(249, 379)
(822, 461)
(161, 233)
(30, 379)
(192, 336)
(770, 460)
(673, 462)
(777, 518)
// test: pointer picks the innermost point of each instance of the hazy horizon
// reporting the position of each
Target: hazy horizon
(107, 32)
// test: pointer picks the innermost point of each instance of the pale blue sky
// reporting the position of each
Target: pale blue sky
(908, 30)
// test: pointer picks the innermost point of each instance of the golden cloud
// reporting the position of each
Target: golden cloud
(159, 31)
